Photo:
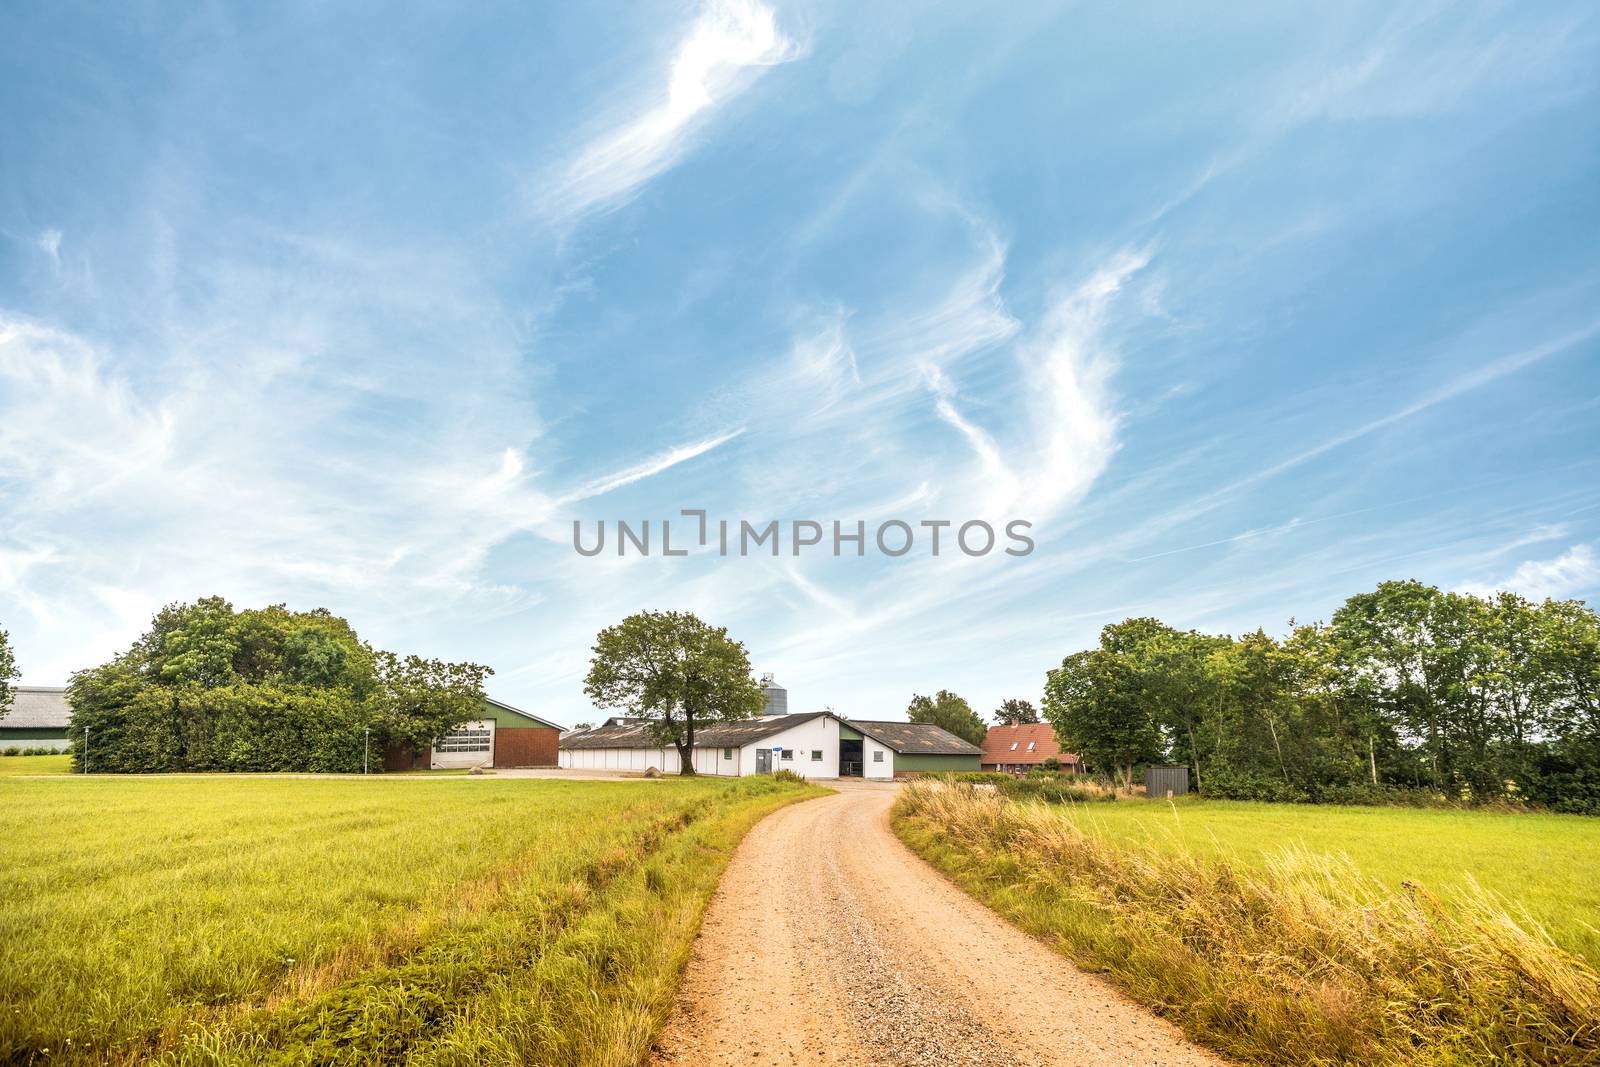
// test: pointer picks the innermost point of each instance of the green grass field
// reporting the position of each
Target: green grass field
(13, 765)
(431, 920)
(1545, 864)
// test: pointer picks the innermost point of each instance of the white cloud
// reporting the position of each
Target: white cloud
(655, 465)
(1070, 369)
(729, 43)
(49, 243)
(1572, 574)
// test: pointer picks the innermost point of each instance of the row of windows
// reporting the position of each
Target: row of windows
(466, 741)
(816, 754)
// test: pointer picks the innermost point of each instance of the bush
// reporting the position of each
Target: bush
(1573, 792)
(1049, 788)
(784, 774)
(976, 777)
(13, 750)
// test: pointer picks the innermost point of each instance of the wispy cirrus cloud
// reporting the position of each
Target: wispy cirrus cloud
(727, 45)
(649, 468)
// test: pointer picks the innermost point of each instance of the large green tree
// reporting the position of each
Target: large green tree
(1096, 698)
(949, 712)
(1016, 712)
(675, 671)
(209, 688)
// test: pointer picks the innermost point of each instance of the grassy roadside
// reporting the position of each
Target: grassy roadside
(1303, 960)
(337, 922)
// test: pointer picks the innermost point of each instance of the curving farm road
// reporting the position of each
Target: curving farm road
(829, 942)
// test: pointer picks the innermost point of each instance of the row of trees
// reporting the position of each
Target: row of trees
(208, 688)
(1408, 687)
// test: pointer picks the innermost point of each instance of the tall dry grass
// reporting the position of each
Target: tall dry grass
(1304, 961)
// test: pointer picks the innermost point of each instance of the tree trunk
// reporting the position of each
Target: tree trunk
(686, 749)
(1194, 750)
(1372, 758)
(1273, 726)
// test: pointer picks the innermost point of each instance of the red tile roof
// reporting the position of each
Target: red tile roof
(998, 746)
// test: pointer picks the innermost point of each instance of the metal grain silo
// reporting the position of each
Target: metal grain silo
(777, 696)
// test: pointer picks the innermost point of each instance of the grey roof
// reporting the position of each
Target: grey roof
(911, 738)
(525, 714)
(719, 735)
(38, 707)
(917, 738)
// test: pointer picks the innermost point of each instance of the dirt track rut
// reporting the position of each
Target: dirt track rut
(829, 942)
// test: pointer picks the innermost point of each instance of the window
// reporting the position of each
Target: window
(1030, 746)
(1013, 746)
(727, 753)
(466, 741)
(877, 756)
(788, 753)
(816, 755)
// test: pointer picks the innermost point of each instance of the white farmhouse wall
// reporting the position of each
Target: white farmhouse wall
(820, 734)
(876, 766)
(620, 759)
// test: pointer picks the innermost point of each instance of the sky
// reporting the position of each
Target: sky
(362, 306)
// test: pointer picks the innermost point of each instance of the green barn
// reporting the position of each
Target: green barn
(39, 718)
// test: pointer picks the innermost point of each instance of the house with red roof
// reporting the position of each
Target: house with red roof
(1016, 749)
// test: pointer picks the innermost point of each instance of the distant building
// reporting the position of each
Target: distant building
(503, 737)
(818, 744)
(39, 718)
(1015, 749)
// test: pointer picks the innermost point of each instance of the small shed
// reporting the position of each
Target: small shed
(1166, 781)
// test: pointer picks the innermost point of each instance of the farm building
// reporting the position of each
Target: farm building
(39, 718)
(1014, 749)
(504, 737)
(817, 744)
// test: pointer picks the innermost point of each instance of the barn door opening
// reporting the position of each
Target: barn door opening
(849, 758)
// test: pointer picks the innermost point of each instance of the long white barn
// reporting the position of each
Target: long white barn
(817, 744)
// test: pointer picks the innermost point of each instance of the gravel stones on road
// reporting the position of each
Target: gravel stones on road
(829, 942)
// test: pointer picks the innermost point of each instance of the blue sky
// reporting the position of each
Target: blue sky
(360, 307)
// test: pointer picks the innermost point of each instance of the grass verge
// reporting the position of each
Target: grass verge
(319, 922)
(1302, 960)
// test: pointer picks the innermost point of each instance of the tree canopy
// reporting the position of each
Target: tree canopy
(209, 688)
(8, 674)
(675, 671)
(1406, 688)
(950, 712)
(1016, 712)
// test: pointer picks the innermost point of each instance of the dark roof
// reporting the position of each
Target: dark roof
(526, 715)
(38, 707)
(720, 735)
(916, 738)
(1024, 743)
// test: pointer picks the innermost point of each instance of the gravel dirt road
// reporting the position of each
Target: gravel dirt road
(830, 942)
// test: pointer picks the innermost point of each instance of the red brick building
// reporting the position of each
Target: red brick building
(1015, 749)
(504, 737)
